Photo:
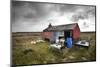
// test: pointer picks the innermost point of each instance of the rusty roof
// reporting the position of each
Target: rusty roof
(61, 27)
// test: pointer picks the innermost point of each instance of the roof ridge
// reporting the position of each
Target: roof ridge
(61, 27)
(64, 24)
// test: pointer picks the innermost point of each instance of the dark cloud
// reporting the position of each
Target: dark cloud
(29, 10)
(26, 15)
(67, 8)
(79, 16)
(84, 14)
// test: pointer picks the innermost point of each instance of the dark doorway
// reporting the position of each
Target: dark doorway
(68, 34)
(68, 39)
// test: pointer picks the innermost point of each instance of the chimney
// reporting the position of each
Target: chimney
(49, 25)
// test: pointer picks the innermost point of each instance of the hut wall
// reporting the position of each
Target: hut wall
(76, 33)
(47, 35)
(57, 34)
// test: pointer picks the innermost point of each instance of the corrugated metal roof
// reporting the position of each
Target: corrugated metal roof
(61, 27)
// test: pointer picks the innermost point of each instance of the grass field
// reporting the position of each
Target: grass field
(26, 53)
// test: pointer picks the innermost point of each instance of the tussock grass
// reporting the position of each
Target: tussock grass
(24, 53)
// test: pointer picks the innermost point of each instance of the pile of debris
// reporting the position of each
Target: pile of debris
(59, 44)
(83, 43)
(37, 41)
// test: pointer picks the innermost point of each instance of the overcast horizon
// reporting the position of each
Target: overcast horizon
(36, 16)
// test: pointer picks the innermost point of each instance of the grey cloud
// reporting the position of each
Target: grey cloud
(38, 11)
(29, 10)
(68, 8)
(27, 15)
(85, 14)
(79, 16)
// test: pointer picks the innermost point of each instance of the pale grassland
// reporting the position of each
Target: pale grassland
(25, 53)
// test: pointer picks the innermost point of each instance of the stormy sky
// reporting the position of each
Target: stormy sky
(36, 16)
